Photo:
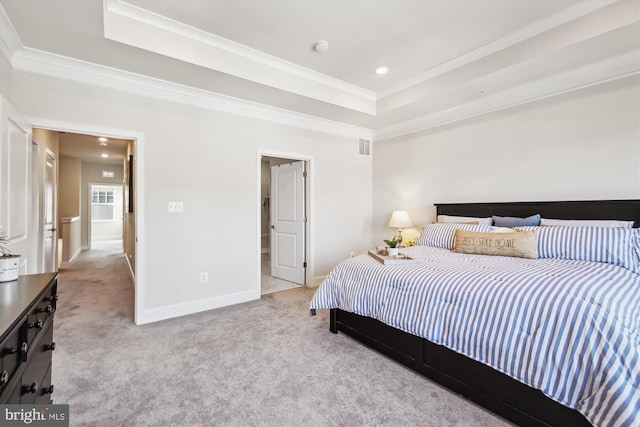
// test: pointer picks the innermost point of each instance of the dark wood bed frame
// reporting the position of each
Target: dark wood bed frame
(480, 383)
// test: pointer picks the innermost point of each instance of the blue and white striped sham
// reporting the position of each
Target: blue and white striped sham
(616, 246)
(442, 235)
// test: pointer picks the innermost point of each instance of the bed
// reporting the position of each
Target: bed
(540, 398)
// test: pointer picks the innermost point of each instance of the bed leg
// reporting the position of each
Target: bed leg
(333, 320)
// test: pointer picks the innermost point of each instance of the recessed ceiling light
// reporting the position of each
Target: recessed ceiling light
(104, 155)
(102, 139)
(382, 70)
(103, 144)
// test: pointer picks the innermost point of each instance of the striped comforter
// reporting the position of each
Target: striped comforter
(568, 328)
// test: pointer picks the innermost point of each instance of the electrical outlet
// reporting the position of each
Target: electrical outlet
(352, 254)
(204, 277)
(176, 207)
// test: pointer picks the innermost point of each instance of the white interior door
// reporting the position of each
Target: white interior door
(50, 229)
(288, 222)
(17, 179)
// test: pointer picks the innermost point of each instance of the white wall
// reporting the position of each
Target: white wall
(209, 160)
(577, 146)
(69, 187)
(5, 76)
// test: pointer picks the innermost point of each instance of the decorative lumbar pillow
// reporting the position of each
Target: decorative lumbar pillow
(520, 244)
(511, 221)
(442, 235)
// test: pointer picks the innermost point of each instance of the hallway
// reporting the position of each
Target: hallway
(96, 301)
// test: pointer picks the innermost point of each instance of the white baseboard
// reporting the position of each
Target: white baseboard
(191, 307)
(67, 264)
(317, 281)
(75, 255)
(133, 275)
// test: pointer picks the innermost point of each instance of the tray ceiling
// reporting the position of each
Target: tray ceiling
(448, 59)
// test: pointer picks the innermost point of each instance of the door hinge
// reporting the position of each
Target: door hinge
(304, 264)
(304, 174)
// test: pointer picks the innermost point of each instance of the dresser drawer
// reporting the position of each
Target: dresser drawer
(44, 308)
(39, 361)
(44, 395)
(12, 352)
(27, 308)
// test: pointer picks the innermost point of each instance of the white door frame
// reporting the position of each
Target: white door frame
(138, 138)
(55, 222)
(37, 200)
(309, 206)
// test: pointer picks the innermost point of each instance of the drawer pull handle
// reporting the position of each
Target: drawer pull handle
(24, 348)
(47, 309)
(38, 324)
(12, 350)
(51, 346)
(4, 377)
(33, 388)
(48, 390)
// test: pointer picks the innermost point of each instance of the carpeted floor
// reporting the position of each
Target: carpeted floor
(263, 363)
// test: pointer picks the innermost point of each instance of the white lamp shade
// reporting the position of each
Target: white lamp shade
(400, 219)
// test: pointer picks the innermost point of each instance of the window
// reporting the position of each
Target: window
(103, 204)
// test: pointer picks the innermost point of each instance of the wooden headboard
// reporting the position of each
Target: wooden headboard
(628, 210)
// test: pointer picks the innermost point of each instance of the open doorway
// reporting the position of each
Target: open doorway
(283, 224)
(106, 217)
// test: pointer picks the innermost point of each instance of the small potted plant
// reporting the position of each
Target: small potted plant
(9, 263)
(393, 246)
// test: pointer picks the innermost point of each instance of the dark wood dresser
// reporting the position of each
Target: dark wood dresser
(27, 306)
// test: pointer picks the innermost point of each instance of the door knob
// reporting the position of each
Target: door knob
(273, 226)
(52, 229)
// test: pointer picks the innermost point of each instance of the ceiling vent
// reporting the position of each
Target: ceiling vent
(364, 147)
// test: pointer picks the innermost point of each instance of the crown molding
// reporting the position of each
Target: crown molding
(51, 65)
(9, 39)
(56, 66)
(146, 30)
(534, 29)
(571, 80)
(64, 68)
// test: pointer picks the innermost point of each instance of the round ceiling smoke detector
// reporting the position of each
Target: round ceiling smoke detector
(321, 46)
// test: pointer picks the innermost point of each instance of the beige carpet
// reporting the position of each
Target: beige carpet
(263, 363)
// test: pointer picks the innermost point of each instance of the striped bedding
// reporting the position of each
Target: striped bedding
(568, 328)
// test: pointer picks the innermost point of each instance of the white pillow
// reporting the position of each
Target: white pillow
(495, 229)
(587, 223)
(463, 219)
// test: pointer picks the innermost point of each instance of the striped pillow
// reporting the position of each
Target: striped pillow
(442, 234)
(617, 246)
